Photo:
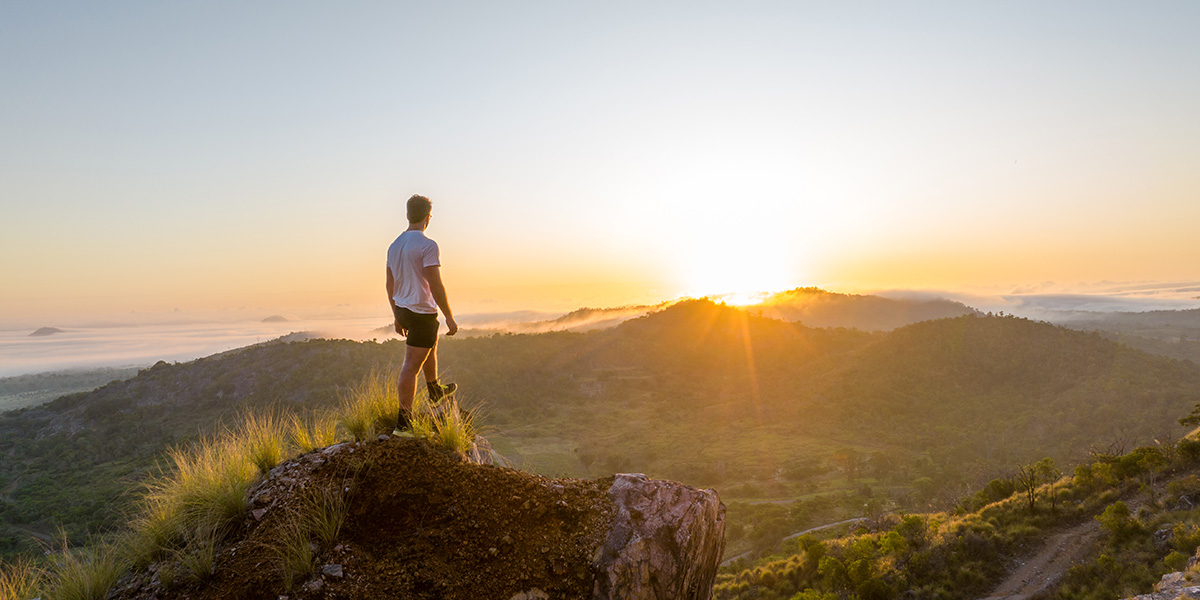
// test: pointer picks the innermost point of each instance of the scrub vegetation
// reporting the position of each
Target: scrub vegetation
(964, 553)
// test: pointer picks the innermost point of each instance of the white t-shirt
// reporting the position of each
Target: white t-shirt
(407, 258)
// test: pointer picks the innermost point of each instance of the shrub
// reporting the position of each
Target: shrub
(1189, 449)
(875, 589)
(1185, 538)
(1118, 521)
(1176, 561)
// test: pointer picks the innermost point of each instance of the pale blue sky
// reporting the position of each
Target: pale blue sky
(204, 155)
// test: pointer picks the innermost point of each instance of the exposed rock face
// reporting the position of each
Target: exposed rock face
(665, 542)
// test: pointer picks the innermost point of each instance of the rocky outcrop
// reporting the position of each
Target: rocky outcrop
(424, 523)
(665, 542)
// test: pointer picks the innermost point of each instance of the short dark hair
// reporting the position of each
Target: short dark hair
(418, 208)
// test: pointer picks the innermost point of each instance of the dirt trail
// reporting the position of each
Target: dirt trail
(1043, 569)
(728, 561)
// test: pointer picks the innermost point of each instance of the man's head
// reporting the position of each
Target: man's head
(418, 208)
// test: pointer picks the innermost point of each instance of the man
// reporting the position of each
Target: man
(416, 292)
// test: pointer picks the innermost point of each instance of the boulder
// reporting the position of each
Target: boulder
(665, 542)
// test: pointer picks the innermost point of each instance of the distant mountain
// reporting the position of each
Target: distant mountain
(276, 319)
(1173, 333)
(44, 331)
(818, 308)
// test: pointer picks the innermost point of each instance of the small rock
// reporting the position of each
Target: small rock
(383, 437)
(533, 594)
(493, 551)
(332, 571)
(258, 513)
(314, 585)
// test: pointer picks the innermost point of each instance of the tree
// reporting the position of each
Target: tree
(1028, 478)
(1046, 470)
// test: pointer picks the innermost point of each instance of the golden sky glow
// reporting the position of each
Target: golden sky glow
(174, 157)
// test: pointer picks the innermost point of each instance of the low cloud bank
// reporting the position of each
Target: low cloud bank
(1052, 301)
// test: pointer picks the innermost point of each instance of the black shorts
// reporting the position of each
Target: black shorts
(422, 329)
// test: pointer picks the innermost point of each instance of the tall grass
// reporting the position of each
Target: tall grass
(188, 508)
(370, 407)
(453, 427)
(85, 574)
(295, 554)
(265, 439)
(199, 558)
(323, 514)
(20, 580)
(313, 432)
(204, 492)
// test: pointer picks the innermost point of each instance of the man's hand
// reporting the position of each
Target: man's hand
(451, 326)
(400, 330)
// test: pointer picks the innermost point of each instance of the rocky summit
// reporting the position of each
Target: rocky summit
(424, 523)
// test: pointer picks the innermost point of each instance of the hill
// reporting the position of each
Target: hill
(413, 521)
(699, 392)
(1118, 523)
(819, 308)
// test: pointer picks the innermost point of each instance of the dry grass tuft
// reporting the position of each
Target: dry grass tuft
(85, 574)
(313, 432)
(371, 406)
(264, 437)
(20, 581)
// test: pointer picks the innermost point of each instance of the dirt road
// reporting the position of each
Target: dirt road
(1043, 569)
(727, 561)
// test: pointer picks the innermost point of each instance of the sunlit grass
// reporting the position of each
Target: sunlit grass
(20, 580)
(370, 407)
(191, 505)
(205, 491)
(453, 428)
(85, 574)
(313, 432)
(264, 437)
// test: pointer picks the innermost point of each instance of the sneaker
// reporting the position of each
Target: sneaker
(437, 391)
(404, 434)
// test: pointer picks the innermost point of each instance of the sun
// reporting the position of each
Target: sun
(735, 284)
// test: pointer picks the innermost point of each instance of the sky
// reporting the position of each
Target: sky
(254, 158)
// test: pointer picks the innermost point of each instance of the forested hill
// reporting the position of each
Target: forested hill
(699, 392)
(816, 307)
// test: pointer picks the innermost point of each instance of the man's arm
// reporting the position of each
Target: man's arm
(433, 275)
(391, 289)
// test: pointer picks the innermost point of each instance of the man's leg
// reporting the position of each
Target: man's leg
(430, 370)
(414, 360)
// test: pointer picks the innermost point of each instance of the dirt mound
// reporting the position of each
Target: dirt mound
(420, 523)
